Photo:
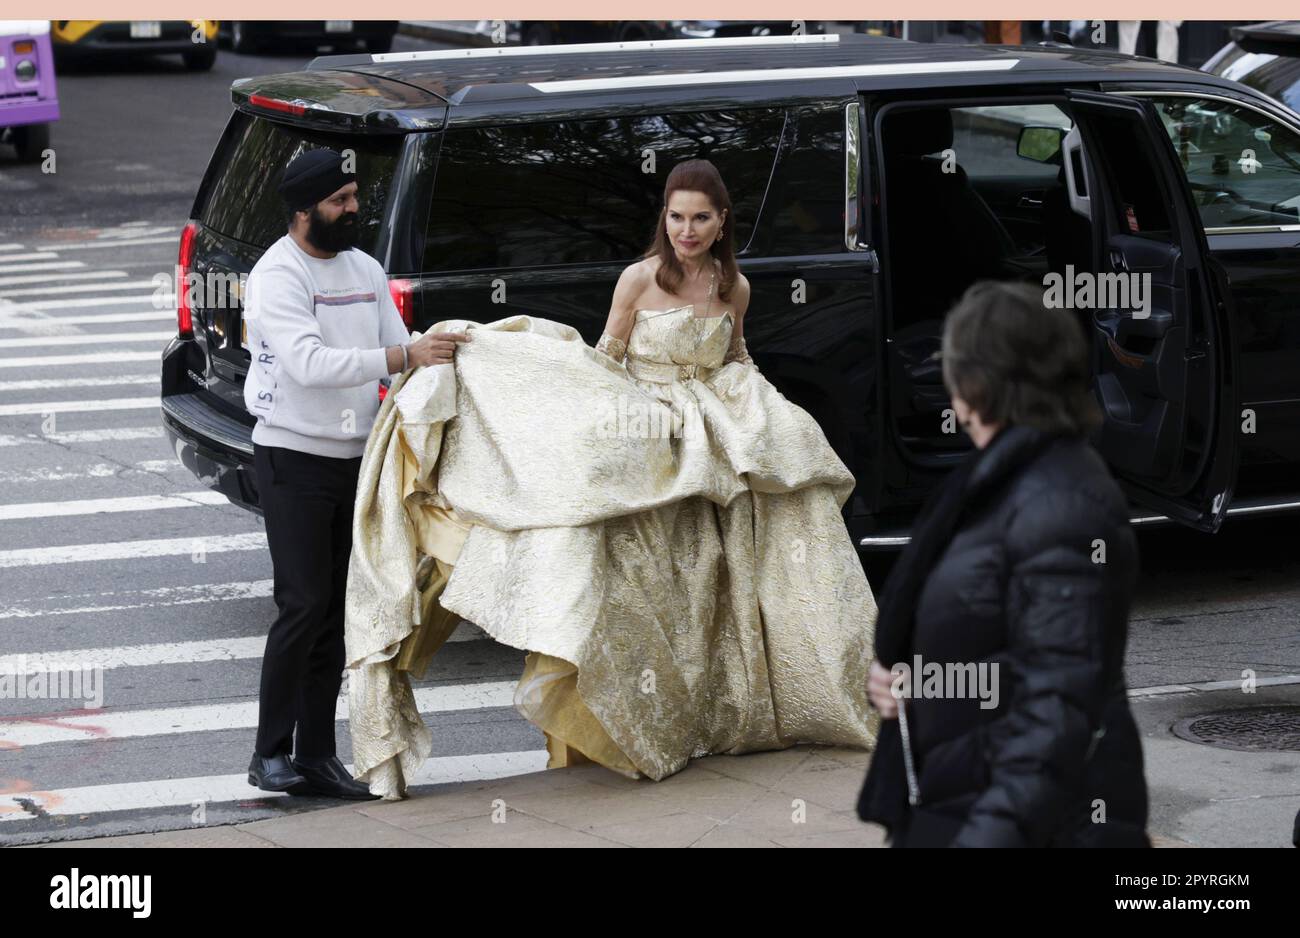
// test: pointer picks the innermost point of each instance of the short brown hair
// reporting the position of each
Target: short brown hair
(1016, 361)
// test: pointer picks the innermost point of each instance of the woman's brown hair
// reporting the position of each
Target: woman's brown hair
(695, 176)
(1017, 361)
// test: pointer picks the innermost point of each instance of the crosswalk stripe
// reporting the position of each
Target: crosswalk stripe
(86, 358)
(47, 384)
(100, 506)
(39, 255)
(113, 243)
(12, 247)
(215, 789)
(99, 470)
(32, 324)
(131, 550)
(101, 435)
(114, 337)
(46, 278)
(33, 267)
(19, 476)
(87, 724)
(83, 302)
(63, 289)
(72, 407)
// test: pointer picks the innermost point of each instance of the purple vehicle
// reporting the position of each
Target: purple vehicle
(28, 101)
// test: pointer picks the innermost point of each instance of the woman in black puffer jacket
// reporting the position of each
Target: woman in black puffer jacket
(1020, 572)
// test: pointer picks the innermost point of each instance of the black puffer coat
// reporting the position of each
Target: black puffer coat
(1024, 558)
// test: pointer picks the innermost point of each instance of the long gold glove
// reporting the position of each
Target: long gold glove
(614, 348)
(737, 352)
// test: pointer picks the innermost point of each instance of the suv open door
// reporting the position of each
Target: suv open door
(1164, 368)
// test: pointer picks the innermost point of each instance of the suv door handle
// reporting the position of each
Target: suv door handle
(1118, 261)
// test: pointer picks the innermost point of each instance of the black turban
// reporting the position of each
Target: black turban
(313, 176)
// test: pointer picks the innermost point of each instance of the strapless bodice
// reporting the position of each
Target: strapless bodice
(678, 337)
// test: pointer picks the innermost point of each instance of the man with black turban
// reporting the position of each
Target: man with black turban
(323, 331)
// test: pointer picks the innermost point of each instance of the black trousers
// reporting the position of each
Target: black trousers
(307, 501)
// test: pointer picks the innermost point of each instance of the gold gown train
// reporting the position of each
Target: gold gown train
(662, 536)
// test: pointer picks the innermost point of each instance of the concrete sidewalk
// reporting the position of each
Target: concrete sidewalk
(802, 797)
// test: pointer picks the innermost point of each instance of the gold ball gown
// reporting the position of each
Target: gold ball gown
(662, 535)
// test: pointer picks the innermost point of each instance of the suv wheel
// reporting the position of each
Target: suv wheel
(201, 58)
(538, 34)
(241, 40)
(31, 140)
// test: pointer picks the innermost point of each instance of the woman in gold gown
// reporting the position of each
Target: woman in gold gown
(650, 519)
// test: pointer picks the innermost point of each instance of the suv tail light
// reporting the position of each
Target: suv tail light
(184, 315)
(275, 104)
(402, 292)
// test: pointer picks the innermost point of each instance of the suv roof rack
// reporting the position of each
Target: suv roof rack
(581, 48)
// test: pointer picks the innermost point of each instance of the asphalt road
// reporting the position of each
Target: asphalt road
(110, 552)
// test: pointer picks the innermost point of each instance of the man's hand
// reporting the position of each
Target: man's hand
(880, 691)
(434, 348)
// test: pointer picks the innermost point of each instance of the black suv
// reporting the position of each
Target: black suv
(873, 179)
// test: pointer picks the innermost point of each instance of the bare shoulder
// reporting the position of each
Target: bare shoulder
(634, 280)
(740, 293)
(642, 273)
(632, 283)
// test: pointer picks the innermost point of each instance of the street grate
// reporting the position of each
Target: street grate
(1248, 729)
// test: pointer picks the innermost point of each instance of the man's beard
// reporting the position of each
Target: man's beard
(341, 234)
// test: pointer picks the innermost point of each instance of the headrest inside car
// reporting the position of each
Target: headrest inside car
(918, 132)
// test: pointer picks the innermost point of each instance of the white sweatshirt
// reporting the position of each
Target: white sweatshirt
(317, 330)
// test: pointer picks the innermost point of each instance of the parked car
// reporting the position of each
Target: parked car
(1263, 56)
(195, 40)
(547, 32)
(29, 103)
(253, 35)
(872, 179)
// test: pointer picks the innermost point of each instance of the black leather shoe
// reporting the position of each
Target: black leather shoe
(329, 777)
(276, 773)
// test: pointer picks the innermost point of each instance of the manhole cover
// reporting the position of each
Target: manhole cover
(1250, 729)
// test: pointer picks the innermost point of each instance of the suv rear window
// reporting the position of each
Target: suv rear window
(242, 201)
(585, 191)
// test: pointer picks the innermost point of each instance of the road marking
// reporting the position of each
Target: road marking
(214, 789)
(100, 470)
(31, 323)
(87, 301)
(131, 550)
(1161, 690)
(106, 723)
(6, 268)
(87, 358)
(113, 337)
(12, 247)
(47, 384)
(97, 471)
(81, 287)
(102, 506)
(74, 407)
(85, 436)
(40, 255)
(114, 243)
(46, 278)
